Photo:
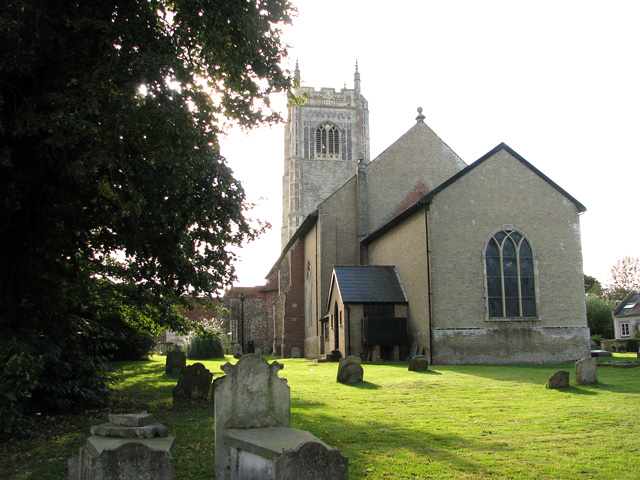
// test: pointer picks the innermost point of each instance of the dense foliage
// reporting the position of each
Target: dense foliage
(600, 316)
(116, 202)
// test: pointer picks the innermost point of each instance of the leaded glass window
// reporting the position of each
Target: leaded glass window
(510, 275)
(327, 141)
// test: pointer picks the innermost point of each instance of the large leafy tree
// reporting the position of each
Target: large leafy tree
(625, 278)
(114, 194)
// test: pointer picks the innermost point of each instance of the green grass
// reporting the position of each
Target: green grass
(451, 422)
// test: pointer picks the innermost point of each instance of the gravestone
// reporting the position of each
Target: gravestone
(175, 362)
(194, 384)
(253, 438)
(418, 363)
(237, 350)
(295, 352)
(129, 447)
(559, 379)
(350, 370)
(587, 371)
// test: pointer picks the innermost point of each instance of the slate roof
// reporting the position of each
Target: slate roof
(629, 306)
(368, 284)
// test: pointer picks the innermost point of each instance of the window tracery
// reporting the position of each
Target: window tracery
(510, 276)
(327, 141)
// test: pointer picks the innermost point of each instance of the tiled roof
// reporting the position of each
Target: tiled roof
(629, 306)
(368, 284)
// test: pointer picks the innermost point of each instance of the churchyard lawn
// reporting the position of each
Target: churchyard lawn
(450, 422)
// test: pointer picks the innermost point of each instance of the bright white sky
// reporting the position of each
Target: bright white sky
(557, 81)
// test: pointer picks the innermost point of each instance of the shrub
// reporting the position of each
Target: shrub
(130, 344)
(19, 375)
(202, 348)
(600, 316)
(598, 339)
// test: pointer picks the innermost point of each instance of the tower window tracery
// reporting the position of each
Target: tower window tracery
(327, 141)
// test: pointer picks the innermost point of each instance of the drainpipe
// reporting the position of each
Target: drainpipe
(347, 312)
(429, 290)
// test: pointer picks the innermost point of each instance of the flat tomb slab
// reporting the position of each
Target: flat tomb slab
(270, 442)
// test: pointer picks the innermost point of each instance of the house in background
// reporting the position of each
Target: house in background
(626, 317)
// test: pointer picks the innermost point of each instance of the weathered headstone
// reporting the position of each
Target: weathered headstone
(253, 438)
(121, 454)
(587, 371)
(419, 363)
(194, 384)
(295, 352)
(350, 370)
(175, 362)
(237, 350)
(559, 379)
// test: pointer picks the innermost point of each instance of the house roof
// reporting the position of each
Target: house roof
(630, 306)
(428, 198)
(367, 284)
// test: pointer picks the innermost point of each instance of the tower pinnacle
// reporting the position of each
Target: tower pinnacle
(296, 76)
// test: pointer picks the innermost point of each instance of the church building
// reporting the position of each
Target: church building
(417, 252)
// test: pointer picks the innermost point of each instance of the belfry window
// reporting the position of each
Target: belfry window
(510, 274)
(327, 141)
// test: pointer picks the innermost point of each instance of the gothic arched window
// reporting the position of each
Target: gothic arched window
(510, 274)
(327, 141)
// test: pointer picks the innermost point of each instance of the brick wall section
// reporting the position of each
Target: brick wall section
(293, 334)
(254, 314)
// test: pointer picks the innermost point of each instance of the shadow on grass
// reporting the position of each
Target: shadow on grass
(576, 391)
(364, 385)
(373, 443)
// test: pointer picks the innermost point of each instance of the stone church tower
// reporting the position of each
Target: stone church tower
(324, 139)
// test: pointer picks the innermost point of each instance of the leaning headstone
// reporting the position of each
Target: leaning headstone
(175, 362)
(295, 352)
(587, 371)
(237, 350)
(559, 379)
(419, 363)
(122, 454)
(194, 384)
(350, 370)
(414, 349)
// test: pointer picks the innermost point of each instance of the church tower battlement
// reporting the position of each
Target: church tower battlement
(324, 139)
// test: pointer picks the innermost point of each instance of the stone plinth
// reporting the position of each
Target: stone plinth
(113, 452)
(282, 453)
